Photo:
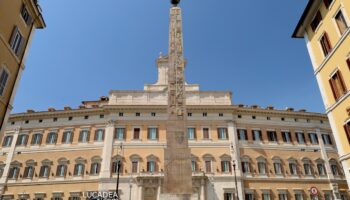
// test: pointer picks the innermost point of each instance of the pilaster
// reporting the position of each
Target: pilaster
(107, 150)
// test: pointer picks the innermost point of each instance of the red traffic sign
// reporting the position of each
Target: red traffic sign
(314, 191)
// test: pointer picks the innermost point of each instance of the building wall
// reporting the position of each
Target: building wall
(147, 185)
(326, 66)
(10, 17)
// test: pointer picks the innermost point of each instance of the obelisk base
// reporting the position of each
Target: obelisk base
(179, 197)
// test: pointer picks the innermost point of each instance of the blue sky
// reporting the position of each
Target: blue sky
(91, 47)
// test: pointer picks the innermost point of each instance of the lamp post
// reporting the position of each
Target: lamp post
(234, 173)
(118, 172)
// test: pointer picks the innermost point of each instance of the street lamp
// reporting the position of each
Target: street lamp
(118, 172)
(234, 173)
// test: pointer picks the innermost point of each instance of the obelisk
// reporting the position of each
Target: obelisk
(178, 173)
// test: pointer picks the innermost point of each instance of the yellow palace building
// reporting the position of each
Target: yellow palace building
(325, 27)
(18, 21)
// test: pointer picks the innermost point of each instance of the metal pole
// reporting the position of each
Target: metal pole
(118, 172)
(234, 171)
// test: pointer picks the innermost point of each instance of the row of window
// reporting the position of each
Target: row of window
(293, 167)
(153, 134)
(286, 136)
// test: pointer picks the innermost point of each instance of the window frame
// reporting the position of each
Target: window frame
(3, 88)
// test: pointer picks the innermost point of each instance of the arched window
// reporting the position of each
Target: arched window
(334, 167)
(246, 165)
(99, 135)
(79, 166)
(261, 165)
(117, 164)
(45, 168)
(29, 170)
(36, 139)
(194, 163)
(226, 163)
(95, 165)
(320, 167)
(7, 141)
(61, 170)
(14, 170)
(307, 167)
(135, 159)
(293, 167)
(152, 165)
(208, 162)
(277, 165)
(22, 140)
(67, 137)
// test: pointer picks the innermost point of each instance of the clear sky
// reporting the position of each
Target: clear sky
(91, 47)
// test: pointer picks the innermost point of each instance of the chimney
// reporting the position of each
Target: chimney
(51, 109)
(30, 111)
(270, 108)
(67, 108)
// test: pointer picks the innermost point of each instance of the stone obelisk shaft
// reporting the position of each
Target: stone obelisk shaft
(178, 174)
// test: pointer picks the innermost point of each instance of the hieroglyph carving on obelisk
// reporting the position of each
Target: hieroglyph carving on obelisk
(178, 173)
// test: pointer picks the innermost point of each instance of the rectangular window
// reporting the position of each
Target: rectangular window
(7, 141)
(22, 140)
(347, 130)
(191, 133)
(327, 3)
(327, 196)
(222, 133)
(257, 135)
(3, 80)
(249, 196)
(242, 134)
(298, 196)
(152, 134)
(208, 166)
(326, 139)
(79, 169)
(272, 136)
(342, 25)
(335, 170)
(67, 137)
(194, 166)
(25, 15)
(266, 196)
(36, 139)
(28, 172)
(206, 133)
(95, 168)
(316, 21)
(136, 133)
(286, 137)
(300, 137)
(313, 138)
(84, 136)
(321, 169)
(151, 166)
(120, 134)
(13, 172)
(17, 41)
(51, 138)
(134, 166)
(99, 135)
(228, 196)
(282, 196)
(337, 85)
(61, 170)
(326, 45)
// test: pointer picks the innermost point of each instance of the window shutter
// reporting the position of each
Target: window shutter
(323, 136)
(226, 132)
(316, 138)
(157, 133)
(124, 133)
(284, 136)
(303, 137)
(218, 132)
(296, 135)
(348, 62)
(342, 82)
(21, 46)
(91, 168)
(80, 136)
(55, 137)
(57, 170)
(347, 131)
(32, 141)
(64, 137)
(253, 134)
(330, 140)
(65, 170)
(75, 169)
(334, 89)
(329, 46)
(71, 137)
(222, 166)
(41, 173)
(148, 133)
(95, 136)
(148, 166)
(310, 137)
(238, 134)
(26, 169)
(18, 139)
(88, 136)
(47, 138)
(245, 134)
(195, 133)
